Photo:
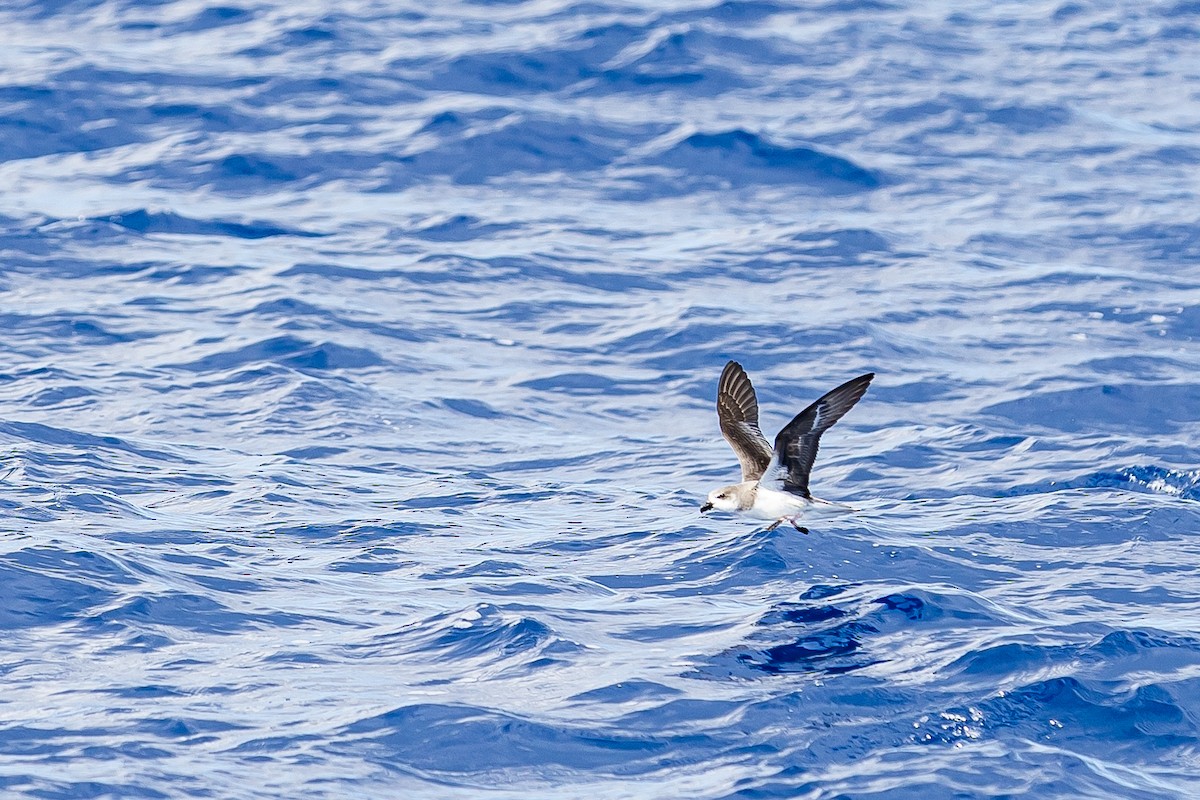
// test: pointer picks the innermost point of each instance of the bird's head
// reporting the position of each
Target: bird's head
(725, 499)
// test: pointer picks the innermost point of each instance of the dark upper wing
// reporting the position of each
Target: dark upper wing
(796, 445)
(737, 410)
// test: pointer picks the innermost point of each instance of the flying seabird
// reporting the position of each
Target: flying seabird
(775, 481)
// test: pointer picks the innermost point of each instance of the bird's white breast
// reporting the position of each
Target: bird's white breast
(773, 504)
(770, 504)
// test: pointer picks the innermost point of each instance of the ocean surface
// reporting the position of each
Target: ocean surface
(357, 389)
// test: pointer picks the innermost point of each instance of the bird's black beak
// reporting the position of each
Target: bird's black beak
(706, 507)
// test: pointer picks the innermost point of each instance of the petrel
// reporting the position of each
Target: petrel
(775, 481)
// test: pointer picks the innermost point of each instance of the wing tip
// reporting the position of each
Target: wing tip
(730, 376)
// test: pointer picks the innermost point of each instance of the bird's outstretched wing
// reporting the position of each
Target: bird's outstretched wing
(737, 411)
(796, 445)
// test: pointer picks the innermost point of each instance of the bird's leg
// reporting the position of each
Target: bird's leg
(792, 520)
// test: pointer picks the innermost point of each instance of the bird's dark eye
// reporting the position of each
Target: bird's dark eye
(720, 497)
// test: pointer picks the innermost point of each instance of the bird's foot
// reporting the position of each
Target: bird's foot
(792, 520)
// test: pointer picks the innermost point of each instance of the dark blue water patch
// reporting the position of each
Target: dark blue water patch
(1026, 119)
(192, 560)
(95, 502)
(66, 331)
(66, 267)
(126, 750)
(65, 116)
(249, 173)
(1082, 518)
(333, 34)
(627, 692)
(438, 269)
(585, 274)
(142, 221)
(506, 73)
(489, 568)
(1003, 661)
(459, 228)
(531, 314)
(839, 245)
(1163, 243)
(920, 111)
(1107, 662)
(27, 740)
(700, 340)
(375, 561)
(1088, 715)
(473, 408)
(267, 748)
(63, 437)
(952, 113)
(313, 453)
(452, 503)
(223, 584)
(298, 315)
(1154, 368)
(329, 108)
(298, 38)
(187, 731)
(1172, 155)
(751, 561)
(530, 145)
(88, 108)
(48, 587)
(693, 59)
(1185, 324)
(467, 740)
(1119, 409)
(341, 272)
(738, 158)
(213, 17)
(44, 789)
(1148, 478)
(288, 351)
(357, 532)
(485, 631)
(297, 658)
(679, 714)
(822, 637)
(675, 350)
(834, 638)
(736, 12)
(1188, 9)
(61, 396)
(582, 384)
(1168, 651)
(650, 634)
(206, 118)
(195, 613)
(449, 124)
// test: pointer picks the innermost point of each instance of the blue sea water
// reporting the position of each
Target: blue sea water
(357, 382)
